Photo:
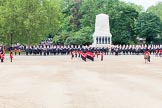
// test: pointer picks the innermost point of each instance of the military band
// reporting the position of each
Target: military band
(84, 51)
(113, 50)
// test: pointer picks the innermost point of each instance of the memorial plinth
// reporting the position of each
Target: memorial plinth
(102, 36)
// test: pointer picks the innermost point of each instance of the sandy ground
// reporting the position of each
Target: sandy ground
(59, 82)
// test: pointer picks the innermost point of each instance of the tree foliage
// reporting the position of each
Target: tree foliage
(73, 21)
(122, 19)
(148, 26)
(29, 20)
(157, 10)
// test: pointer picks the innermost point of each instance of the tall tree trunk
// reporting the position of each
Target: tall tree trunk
(28, 38)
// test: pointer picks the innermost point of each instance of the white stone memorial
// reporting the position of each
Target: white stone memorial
(102, 36)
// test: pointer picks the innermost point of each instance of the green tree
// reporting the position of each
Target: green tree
(122, 18)
(30, 20)
(8, 14)
(157, 10)
(39, 18)
(148, 26)
(123, 24)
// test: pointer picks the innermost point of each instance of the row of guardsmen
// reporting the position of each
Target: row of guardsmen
(60, 50)
(136, 49)
(113, 50)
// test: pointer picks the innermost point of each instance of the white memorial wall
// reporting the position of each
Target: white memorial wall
(102, 36)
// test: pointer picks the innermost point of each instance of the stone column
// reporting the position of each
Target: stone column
(106, 39)
(94, 39)
(99, 40)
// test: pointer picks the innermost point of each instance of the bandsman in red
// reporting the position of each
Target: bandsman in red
(11, 56)
(3, 51)
(72, 54)
(97, 53)
(160, 52)
(2, 57)
(147, 54)
(102, 54)
(75, 53)
(19, 51)
(156, 53)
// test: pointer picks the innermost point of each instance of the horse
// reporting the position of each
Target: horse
(147, 58)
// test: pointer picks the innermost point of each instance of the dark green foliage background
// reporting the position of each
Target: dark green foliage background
(73, 21)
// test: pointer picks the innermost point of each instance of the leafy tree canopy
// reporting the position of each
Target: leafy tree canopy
(148, 26)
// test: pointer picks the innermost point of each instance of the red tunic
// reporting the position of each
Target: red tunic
(157, 51)
(15, 50)
(72, 53)
(147, 53)
(2, 56)
(102, 54)
(11, 56)
(160, 51)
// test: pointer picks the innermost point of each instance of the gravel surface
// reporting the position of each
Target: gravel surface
(59, 82)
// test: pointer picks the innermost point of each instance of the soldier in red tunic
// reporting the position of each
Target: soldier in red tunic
(72, 54)
(2, 57)
(147, 53)
(19, 51)
(102, 54)
(97, 53)
(160, 52)
(11, 56)
(157, 51)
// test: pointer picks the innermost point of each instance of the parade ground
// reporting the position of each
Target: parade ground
(123, 81)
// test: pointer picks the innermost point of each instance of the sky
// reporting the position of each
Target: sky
(144, 3)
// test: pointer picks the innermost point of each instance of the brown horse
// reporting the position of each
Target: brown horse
(147, 58)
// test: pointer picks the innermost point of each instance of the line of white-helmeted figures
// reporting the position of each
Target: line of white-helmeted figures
(78, 50)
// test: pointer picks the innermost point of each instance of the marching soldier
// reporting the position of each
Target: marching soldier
(44, 50)
(11, 56)
(75, 53)
(48, 50)
(0, 54)
(147, 53)
(102, 54)
(2, 57)
(97, 53)
(19, 51)
(30, 50)
(72, 54)
(116, 51)
(27, 50)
